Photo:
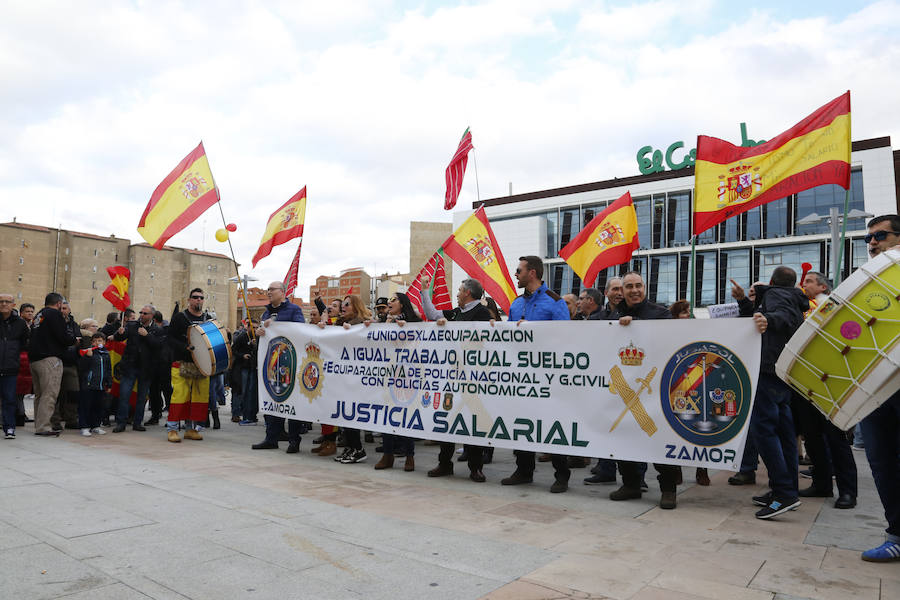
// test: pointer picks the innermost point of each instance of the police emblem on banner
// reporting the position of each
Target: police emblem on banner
(280, 366)
(311, 372)
(706, 394)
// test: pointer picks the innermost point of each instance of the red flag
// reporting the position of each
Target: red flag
(117, 291)
(290, 280)
(456, 170)
(435, 271)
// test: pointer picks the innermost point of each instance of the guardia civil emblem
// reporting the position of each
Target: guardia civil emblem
(311, 372)
(280, 366)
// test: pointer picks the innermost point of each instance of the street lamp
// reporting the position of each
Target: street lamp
(244, 280)
(834, 218)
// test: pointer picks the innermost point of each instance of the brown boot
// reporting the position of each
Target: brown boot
(316, 450)
(386, 462)
(327, 448)
(410, 464)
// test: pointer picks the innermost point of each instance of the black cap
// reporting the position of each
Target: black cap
(381, 302)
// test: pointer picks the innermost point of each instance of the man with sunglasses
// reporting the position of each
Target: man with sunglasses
(881, 429)
(190, 389)
(142, 342)
(538, 303)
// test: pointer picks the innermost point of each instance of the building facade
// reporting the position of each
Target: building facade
(35, 260)
(746, 248)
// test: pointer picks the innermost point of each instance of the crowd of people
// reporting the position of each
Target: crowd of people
(68, 368)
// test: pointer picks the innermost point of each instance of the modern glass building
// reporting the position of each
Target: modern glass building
(745, 248)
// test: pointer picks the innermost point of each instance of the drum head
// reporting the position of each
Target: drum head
(202, 352)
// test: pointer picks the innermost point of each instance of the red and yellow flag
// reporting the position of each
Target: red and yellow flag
(474, 248)
(117, 291)
(729, 179)
(608, 240)
(181, 197)
(285, 224)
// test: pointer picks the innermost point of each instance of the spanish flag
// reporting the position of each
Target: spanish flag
(181, 197)
(474, 248)
(729, 179)
(608, 240)
(117, 291)
(285, 224)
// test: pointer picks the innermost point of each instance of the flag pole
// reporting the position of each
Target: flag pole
(691, 279)
(840, 253)
(475, 164)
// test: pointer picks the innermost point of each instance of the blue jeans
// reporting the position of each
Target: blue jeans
(249, 399)
(772, 428)
(126, 384)
(8, 401)
(750, 458)
(881, 430)
(216, 391)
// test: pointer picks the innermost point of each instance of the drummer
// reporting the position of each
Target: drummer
(881, 428)
(190, 388)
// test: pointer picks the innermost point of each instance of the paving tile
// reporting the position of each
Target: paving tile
(13, 537)
(695, 584)
(527, 511)
(839, 561)
(42, 571)
(814, 583)
(14, 477)
(116, 591)
(773, 550)
(585, 573)
(522, 589)
(652, 592)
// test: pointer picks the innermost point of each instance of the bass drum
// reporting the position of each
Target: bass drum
(212, 352)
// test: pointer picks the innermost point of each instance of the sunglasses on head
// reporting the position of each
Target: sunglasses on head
(879, 236)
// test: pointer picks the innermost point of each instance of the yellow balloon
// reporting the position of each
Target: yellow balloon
(222, 235)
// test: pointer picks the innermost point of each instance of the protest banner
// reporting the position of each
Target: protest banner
(678, 392)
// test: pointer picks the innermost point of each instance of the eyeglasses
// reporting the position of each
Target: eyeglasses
(146, 312)
(393, 300)
(196, 297)
(879, 236)
(6, 302)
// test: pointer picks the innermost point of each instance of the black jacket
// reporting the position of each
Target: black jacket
(13, 339)
(178, 332)
(95, 372)
(603, 314)
(49, 335)
(141, 351)
(643, 311)
(783, 308)
(479, 313)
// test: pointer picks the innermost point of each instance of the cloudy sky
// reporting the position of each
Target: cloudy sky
(364, 102)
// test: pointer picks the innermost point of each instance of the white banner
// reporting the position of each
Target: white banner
(678, 392)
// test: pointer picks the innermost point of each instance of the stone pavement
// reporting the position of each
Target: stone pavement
(129, 515)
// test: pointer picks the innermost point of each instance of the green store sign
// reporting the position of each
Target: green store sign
(651, 161)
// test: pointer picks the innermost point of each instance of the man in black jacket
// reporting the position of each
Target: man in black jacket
(780, 312)
(469, 308)
(49, 340)
(13, 339)
(635, 306)
(142, 342)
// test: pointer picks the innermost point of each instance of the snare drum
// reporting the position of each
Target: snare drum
(845, 357)
(212, 352)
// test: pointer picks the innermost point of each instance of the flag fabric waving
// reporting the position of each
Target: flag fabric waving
(474, 248)
(456, 170)
(729, 180)
(290, 280)
(117, 291)
(608, 240)
(181, 197)
(285, 224)
(435, 273)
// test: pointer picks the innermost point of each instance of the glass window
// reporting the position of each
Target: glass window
(750, 226)
(775, 218)
(767, 258)
(705, 278)
(643, 210)
(709, 236)
(734, 264)
(570, 225)
(592, 211)
(552, 233)
(678, 220)
(730, 229)
(563, 280)
(639, 264)
(860, 253)
(659, 220)
(663, 279)
(821, 199)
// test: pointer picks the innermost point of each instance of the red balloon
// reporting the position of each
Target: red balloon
(231, 227)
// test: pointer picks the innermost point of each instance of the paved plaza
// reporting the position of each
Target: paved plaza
(128, 516)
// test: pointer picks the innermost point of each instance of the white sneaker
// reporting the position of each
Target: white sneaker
(86, 432)
(98, 431)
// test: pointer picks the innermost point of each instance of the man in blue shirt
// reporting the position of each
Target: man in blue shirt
(279, 309)
(538, 303)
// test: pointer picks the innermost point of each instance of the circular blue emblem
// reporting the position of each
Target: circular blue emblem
(280, 367)
(705, 393)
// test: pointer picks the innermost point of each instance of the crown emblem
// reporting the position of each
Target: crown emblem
(631, 355)
(312, 351)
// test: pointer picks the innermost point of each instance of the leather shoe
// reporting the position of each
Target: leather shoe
(748, 478)
(138, 428)
(845, 501)
(477, 477)
(559, 487)
(120, 427)
(516, 479)
(668, 501)
(441, 471)
(264, 446)
(624, 493)
(812, 492)
(293, 448)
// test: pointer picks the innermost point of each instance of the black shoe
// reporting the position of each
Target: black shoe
(283, 437)
(216, 423)
(120, 427)
(56, 428)
(264, 446)
(104, 422)
(599, 479)
(845, 501)
(369, 438)
(763, 500)
(644, 486)
(516, 479)
(153, 421)
(50, 433)
(441, 470)
(805, 461)
(293, 448)
(205, 424)
(743, 478)
(559, 487)
(812, 492)
(807, 473)
(778, 506)
(379, 448)
(477, 477)
(463, 457)
(138, 428)
(624, 493)
(668, 501)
